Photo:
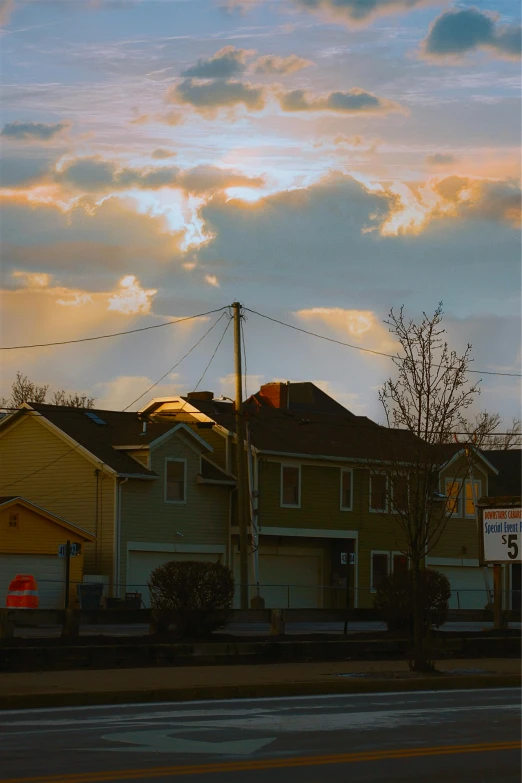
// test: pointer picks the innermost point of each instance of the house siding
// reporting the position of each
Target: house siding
(38, 465)
(145, 516)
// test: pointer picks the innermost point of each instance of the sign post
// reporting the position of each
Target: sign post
(500, 541)
(347, 559)
(68, 550)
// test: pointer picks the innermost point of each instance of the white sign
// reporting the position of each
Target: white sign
(62, 550)
(502, 529)
(352, 558)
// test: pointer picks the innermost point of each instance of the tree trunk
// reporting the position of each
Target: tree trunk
(420, 658)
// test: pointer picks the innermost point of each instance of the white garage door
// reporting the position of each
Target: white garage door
(287, 581)
(141, 565)
(48, 570)
(468, 588)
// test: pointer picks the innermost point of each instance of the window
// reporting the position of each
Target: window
(378, 487)
(14, 519)
(399, 562)
(380, 562)
(454, 495)
(290, 485)
(400, 493)
(175, 480)
(469, 504)
(346, 489)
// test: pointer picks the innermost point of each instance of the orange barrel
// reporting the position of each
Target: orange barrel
(22, 593)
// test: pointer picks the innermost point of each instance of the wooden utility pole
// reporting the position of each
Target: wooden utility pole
(241, 468)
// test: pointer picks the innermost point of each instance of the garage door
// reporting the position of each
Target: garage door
(141, 565)
(468, 589)
(287, 581)
(48, 570)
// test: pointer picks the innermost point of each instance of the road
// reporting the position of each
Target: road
(451, 736)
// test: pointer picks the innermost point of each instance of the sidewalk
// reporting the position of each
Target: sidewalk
(117, 686)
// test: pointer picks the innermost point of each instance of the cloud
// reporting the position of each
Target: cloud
(162, 154)
(6, 9)
(457, 32)
(131, 298)
(271, 64)
(361, 327)
(209, 179)
(440, 159)
(355, 101)
(32, 279)
(208, 96)
(98, 175)
(33, 131)
(19, 172)
(483, 199)
(118, 393)
(224, 64)
(212, 280)
(358, 12)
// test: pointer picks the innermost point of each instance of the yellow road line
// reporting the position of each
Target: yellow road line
(262, 764)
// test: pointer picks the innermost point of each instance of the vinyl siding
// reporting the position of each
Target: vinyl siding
(146, 517)
(36, 535)
(38, 465)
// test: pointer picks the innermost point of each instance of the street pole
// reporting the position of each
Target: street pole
(67, 572)
(497, 596)
(240, 472)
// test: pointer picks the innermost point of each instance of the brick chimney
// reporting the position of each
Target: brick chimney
(276, 394)
(208, 396)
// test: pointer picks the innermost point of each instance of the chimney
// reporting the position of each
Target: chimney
(207, 396)
(277, 394)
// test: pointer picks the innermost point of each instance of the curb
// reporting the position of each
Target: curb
(256, 691)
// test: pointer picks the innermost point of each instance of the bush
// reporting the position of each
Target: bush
(195, 596)
(395, 600)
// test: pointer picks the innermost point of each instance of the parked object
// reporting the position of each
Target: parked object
(89, 595)
(22, 592)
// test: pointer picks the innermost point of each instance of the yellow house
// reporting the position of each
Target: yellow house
(32, 541)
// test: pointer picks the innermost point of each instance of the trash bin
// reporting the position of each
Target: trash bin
(89, 595)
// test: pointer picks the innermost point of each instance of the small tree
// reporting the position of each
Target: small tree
(428, 398)
(394, 600)
(25, 390)
(195, 596)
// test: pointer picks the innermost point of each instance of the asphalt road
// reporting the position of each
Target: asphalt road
(428, 737)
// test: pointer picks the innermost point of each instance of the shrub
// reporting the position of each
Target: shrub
(395, 599)
(195, 596)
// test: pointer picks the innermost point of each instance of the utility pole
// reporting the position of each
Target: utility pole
(241, 472)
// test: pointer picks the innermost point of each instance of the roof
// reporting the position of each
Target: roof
(304, 397)
(336, 436)
(213, 473)
(508, 462)
(101, 432)
(9, 500)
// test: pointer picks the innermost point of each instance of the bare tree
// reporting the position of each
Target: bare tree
(25, 390)
(484, 429)
(428, 398)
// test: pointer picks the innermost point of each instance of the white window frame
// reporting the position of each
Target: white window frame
(185, 483)
(460, 499)
(378, 552)
(290, 505)
(386, 505)
(479, 492)
(392, 506)
(350, 507)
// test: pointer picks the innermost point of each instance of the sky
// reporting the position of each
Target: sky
(320, 161)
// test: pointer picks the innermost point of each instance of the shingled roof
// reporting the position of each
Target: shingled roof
(100, 431)
(508, 462)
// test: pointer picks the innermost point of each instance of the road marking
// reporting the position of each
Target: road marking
(265, 764)
(161, 742)
(262, 699)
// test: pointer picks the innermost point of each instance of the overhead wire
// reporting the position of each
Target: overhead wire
(367, 350)
(112, 334)
(176, 364)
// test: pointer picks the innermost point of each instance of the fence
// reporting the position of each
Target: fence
(276, 596)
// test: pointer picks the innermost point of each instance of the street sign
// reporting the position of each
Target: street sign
(75, 549)
(344, 558)
(502, 535)
(352, 558)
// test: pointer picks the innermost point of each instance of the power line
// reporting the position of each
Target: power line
(113, 334)
(367, 350)
(175, 365)
(244, 357)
